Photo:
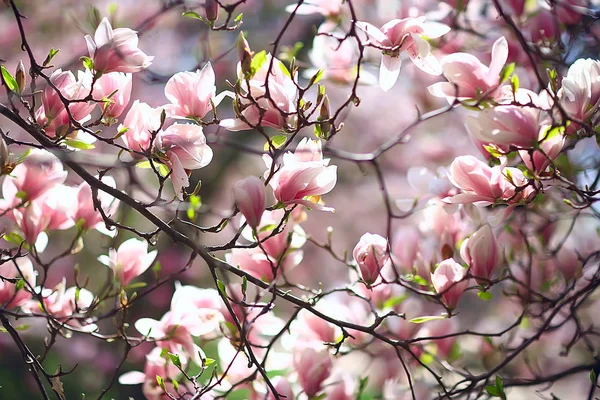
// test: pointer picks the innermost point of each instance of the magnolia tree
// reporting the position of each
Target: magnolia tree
(407, 210)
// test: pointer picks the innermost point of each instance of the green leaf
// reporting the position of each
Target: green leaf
(277, 141)
(499, 383)
(137, 285)
(14, 238)
(420, 281)
(316, 77)
(239, 18)
(20, 284)
(257, 61)
(163, 170)
(221, 286)
(492, 391)
(175, 359)
(9, 80)
(420, 320)
(144, 164)
(88, 63)
(514, 83)
(160, 382)
(593, 376)
(79, 145)
(244, 284)
(50, 56)
(485, 296)
(506, 72)
(209, 361)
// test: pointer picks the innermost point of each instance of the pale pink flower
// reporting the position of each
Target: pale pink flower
(277, 109)
(543, 26)
(249, 196)
(400, 35)
(40, 172)
(469, 78)
(86, 212)
(59, 204)
(506, 125)
(191, 94)
(450, 281)
(277, 244)
(141, 120)
(116, 50)
(31, 220)
(10, 297)
(579, 94)
(255, 262)
(185, 148)
(130, 260)
(313, 367)
(304, 176)
(283, 387)
(550, 148)
(439, 328)
(482, 253)
(371, 254)
(118, 83)
(327, 8)
(484, 185)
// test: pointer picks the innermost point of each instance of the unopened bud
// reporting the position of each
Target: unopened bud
(211, 8)
(6, 166)
(324, 116)
(20, 77)
(244, 53)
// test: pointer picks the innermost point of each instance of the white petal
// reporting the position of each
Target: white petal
(389, 71)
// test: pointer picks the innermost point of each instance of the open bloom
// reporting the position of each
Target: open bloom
(20, 268)
(580, 92)
(261, 265)
(191, 93)
(400, 35)
(117, 83)
(185, 148)
(304, 176)
(485, 185)
(313, 368)
(116, 50)
(249, 195)
(449, 280)
(506, 126)
(254, 107)
(130, 260)
(371, 254)
(141, 120)
(482, 253)
(40, 172)
(469, 78)
(327, 8)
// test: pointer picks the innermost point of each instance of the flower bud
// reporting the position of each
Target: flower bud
(4, 158)
(313, 368)
(244, 54)
(324, 115)
(211, 7)
(20, 77)
(249, 195)
(449, 282)
(371, 255)
(482, 253)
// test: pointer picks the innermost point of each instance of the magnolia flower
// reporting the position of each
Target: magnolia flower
(184, 147)
(400, 35)
(255, 108)
(256, 263)
(485, 185)
(371, 254)
(130, 260)
(249, 196)
(90, 217)
(32, 222)
(506, 126)
(550, 148)
(570, 12)
(192, 94)
(59, 205)
(290, 238)
(40, 172)
(115, 50)
(20, 268)
(482, 253)
(119, 85)
(449, 281)
(469, 78)
(579, 94)
(304, 176)
(313, 368)
(327, 8)
(141, 120)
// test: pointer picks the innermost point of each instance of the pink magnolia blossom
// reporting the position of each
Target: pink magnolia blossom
(185, 148)
(506, 125)
(550, 148)
(570, 12)
(59, 204)
(53, 115)
(255, 262)
(276, 245)
(313, 368)
(482, 253)
(118, 83)
(304, 176)
(40, 172)
(440, 328)
(32, 221)
(86, 212)
(191, 94)
(371, 254)
(141, 120)
(484, 185)
(275, 110)
(283, 387)
(327, 8)
(469, 78)
(249, 196)
(543, 27)
(130, 260)
(20, 268)
(400, 35)
(450, 281)
(314, 330)
(116, 50)
(579, 94)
